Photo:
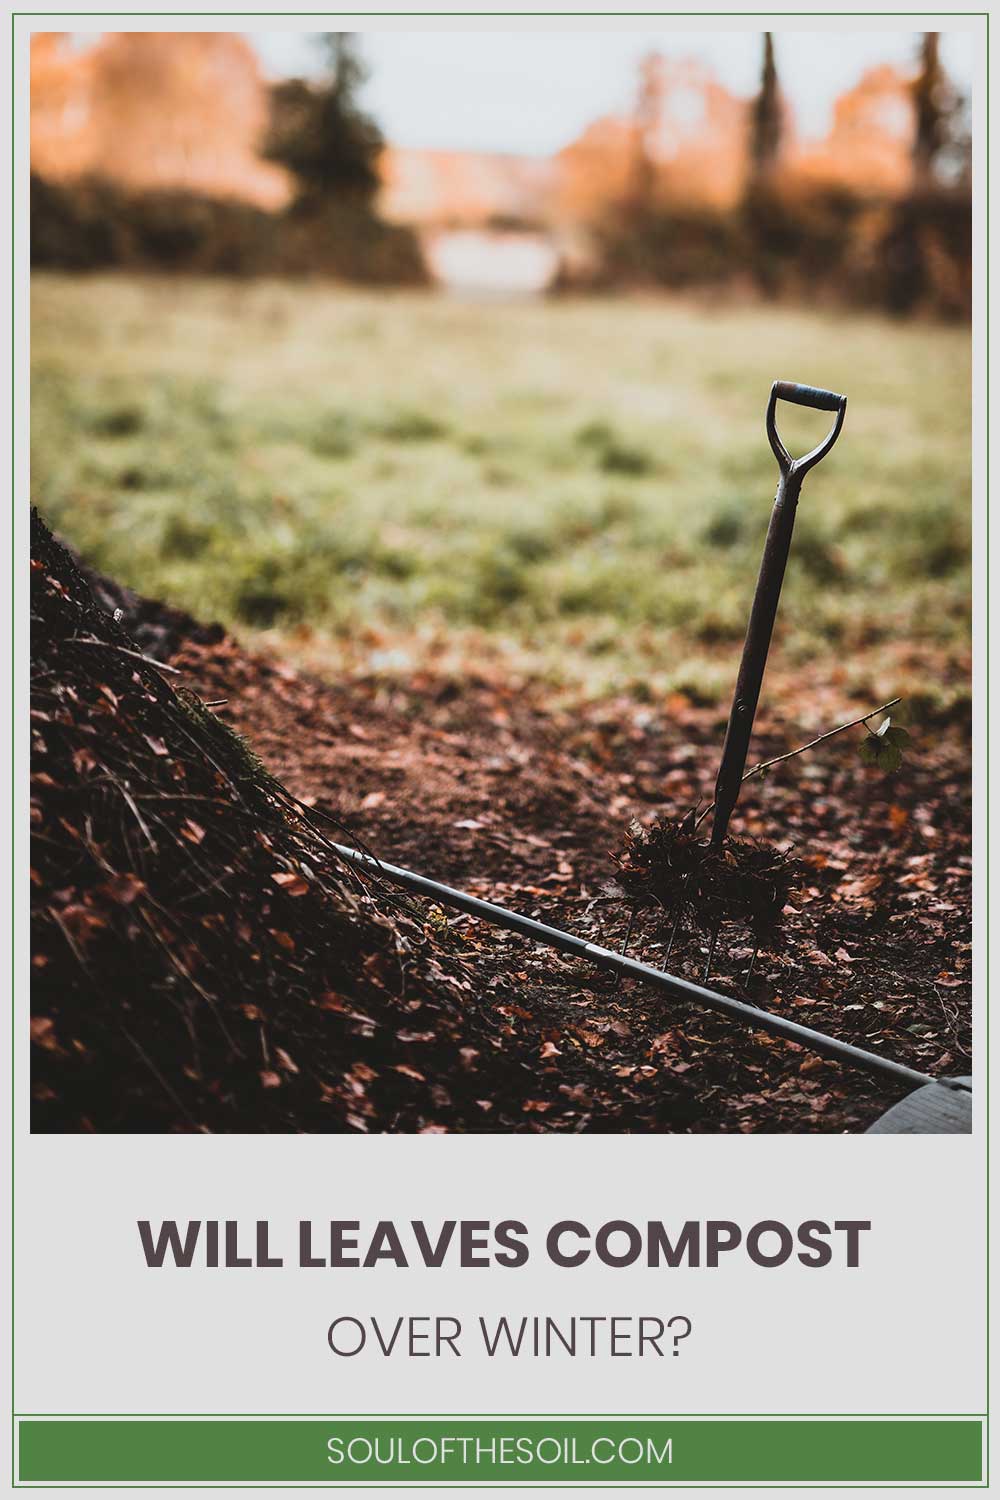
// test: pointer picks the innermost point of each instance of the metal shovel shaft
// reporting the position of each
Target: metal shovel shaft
(755, 649)
(768, 592)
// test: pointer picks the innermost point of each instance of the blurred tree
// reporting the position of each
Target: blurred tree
(767, 227)
(941, 138)
(766, 115)
(321, 134)
(933, 104)
(648, 114)
(927, 248)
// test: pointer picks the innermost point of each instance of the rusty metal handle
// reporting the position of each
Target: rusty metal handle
(803, 395)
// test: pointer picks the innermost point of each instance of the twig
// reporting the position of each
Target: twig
(765, 765)
(71, 941)
(628, 934)
(127, 795)
(170, 1093)
(677, 918)
(161, 666)
(711, 951)
(862, 719)
(175, 962)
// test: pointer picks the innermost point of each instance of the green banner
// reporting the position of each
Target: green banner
(499, 1451)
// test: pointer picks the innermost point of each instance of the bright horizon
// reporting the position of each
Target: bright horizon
(532, 93)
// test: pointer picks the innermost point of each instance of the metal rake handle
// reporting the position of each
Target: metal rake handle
(803, 395)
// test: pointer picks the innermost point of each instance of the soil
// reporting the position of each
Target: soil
(483, 785)
(486, 784)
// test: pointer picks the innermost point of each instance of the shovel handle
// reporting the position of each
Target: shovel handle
(808, 395)
(803, 395)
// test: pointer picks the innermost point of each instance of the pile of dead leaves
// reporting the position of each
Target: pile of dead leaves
(666, 865)
(201, 960)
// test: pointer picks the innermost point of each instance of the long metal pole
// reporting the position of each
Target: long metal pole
(605, 958)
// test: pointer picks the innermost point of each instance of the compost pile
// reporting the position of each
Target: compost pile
(200, 959)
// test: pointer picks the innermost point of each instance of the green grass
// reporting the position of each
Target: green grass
(580, 486)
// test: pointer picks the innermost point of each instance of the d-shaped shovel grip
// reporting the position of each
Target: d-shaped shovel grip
(803, 395)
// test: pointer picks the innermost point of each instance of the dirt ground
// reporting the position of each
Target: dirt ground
(481, 783)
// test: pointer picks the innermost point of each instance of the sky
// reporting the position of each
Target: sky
(534, 92)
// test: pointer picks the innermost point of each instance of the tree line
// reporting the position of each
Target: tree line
(906, 252)
(789, 236)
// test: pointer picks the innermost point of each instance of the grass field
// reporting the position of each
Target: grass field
(579, 487)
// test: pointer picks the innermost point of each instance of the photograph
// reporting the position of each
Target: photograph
(501, 579)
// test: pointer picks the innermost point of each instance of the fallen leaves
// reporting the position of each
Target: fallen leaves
(344, 1014)
(43, 1033)
(859, 887)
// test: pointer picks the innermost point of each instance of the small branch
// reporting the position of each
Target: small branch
(74, 947)
(174, 1098)
(862, 719)
(130, 800)
(765, 765)
(161, 666)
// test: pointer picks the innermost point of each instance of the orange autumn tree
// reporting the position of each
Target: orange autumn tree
(150, 110)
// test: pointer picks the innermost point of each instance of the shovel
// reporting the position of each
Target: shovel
(768, 590)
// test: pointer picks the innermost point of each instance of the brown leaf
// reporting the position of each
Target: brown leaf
(43, 1031)
(124, 888)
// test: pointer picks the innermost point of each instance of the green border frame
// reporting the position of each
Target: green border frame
(983, 1070)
